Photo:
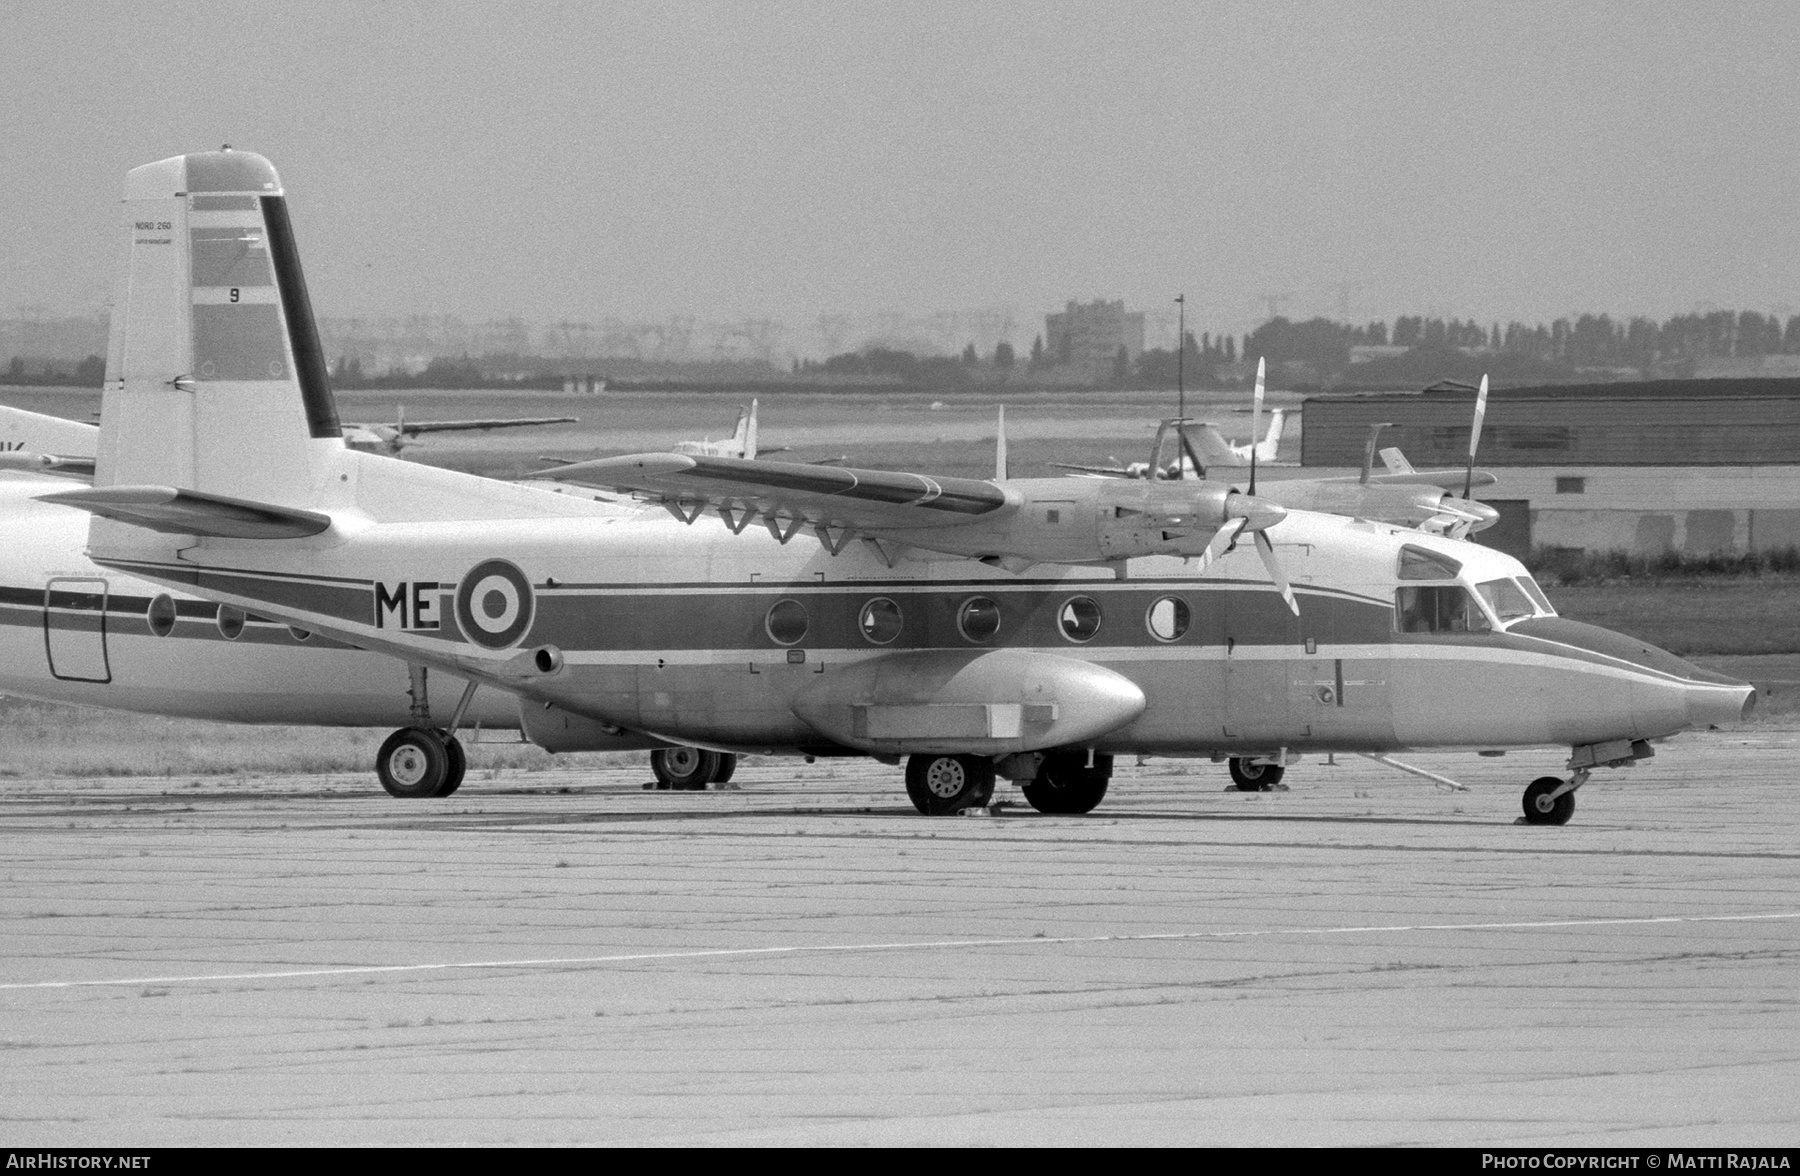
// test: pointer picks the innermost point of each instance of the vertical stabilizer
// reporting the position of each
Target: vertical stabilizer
(747, 433)
(1270, 446)
(213, 338)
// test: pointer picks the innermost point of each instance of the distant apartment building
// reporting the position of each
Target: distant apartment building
(1089, 337)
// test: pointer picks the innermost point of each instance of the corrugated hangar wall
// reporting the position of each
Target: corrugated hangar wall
(1697, 466)
(1674, 422)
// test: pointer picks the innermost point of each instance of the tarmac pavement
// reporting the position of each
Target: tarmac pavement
(566, 958)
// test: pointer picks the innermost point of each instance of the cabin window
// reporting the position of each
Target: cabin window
(786, 622)
(1446, 609)
(231, 622)
(1566, 485)
(880, 621)
(1079, 618)
(160, 616)
(978, 618)
(1507, 600)
(1418, 563)
(1537, 595)
(1168, 618)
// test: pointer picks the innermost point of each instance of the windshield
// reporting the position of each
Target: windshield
(1537, 595)
(1507, 599)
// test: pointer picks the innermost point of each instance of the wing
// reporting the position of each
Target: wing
(739, 489)
(1111, 471)
(414, 428)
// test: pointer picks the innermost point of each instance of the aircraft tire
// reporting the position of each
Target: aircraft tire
(1540, 809)
(684, 769)
(1066, 786)
(1254, 777)
(459, 763)
(413, 763)
(727, 765)
(942, 785)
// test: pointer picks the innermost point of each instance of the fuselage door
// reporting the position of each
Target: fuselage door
(75, 629)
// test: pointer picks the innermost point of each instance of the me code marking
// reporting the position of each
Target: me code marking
(411, 603)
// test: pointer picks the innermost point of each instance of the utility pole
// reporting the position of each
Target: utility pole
(1180, 354)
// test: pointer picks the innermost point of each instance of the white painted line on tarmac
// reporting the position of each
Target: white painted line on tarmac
(916, 945)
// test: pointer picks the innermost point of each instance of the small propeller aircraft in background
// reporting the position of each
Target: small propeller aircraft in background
(402, 434)
(1209, 450)
(1033, 628)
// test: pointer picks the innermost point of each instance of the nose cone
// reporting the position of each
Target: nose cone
(1668, 694)
(1726, 701)
(1257, 513)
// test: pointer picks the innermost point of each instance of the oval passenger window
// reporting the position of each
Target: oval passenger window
(1079, 618)
(1168, 618)
(880, 621)
(786, 622)
(979, 618)
(160, 616)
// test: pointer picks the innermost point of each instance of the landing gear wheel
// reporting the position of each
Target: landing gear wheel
(1255, 777)
(684, 769)
(1540, 809)
(727, 765)
(413, 764)
(1065, 785)
(940, 785)
(459, 762)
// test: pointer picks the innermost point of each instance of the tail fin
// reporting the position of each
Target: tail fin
(1270, 445)
(747, 432)
(213, 338)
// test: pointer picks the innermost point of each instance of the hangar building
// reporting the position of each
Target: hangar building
(1697, 466)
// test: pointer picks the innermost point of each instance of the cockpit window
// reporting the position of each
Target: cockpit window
(1507, 599)
(1416, 563)
(1445, 609)
(1537, 595)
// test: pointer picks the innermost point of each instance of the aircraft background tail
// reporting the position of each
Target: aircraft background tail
(746, 432)
(1270, 445)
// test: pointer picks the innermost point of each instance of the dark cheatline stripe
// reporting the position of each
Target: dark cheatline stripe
(303, 332)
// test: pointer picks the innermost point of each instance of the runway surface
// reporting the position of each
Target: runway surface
(566, 958)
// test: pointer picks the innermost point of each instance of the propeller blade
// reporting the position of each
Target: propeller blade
(1000, 448)
(1256, 400)
(1266, 549)
(1221, 542)
(1475, 436)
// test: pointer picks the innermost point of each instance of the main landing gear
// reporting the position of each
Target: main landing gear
(689, 769)
(941, 785)
(420, 762)
(1065, 782)
(1252, 776)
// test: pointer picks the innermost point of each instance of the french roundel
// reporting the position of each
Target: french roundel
(493, 604)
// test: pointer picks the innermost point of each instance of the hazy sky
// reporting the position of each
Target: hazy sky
(1511, 160)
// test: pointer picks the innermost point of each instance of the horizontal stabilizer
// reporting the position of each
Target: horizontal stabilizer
(47, 463)
(188, 512)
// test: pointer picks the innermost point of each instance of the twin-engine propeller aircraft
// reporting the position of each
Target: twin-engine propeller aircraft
(1034, 628)
(391, 439)
(1207, 448)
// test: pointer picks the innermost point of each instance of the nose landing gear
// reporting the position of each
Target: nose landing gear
(1550, 800)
